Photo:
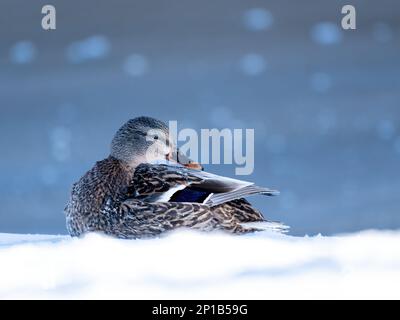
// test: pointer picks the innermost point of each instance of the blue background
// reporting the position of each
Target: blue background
(324, 102)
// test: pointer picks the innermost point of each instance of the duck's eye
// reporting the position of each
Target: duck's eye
(155, 137)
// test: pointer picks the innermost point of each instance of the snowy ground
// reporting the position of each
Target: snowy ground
(189, 265)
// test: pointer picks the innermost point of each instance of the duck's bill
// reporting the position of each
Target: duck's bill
(194, 165)
(182, 159)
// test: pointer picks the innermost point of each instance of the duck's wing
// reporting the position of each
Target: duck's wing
(175, 183)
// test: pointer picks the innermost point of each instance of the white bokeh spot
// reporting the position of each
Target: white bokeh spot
(257, 19)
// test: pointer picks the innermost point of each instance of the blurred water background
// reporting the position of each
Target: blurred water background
(324, 102)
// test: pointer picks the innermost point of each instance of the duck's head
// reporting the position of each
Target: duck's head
(146, 140)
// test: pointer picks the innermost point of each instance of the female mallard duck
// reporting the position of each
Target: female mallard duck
(130, 195)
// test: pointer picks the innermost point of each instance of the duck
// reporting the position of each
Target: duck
(146, 187)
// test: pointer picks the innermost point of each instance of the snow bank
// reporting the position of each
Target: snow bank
(188, 265)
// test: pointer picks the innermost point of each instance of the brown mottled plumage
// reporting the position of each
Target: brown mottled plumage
(124, 196)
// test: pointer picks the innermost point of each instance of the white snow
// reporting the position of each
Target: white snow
(186, 265)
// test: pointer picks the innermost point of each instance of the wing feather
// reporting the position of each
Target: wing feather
(162, 182)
